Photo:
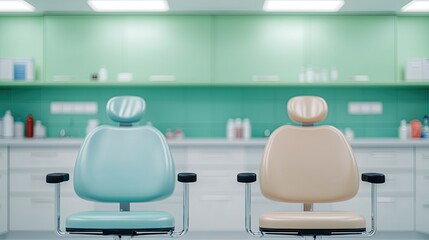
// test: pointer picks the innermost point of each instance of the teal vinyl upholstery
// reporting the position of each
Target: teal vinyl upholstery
(123, 164)
(120, 220)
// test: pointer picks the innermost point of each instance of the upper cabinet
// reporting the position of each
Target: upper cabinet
(22, 37)
(413, 41)
(257, 49)
(360, 48)
(153, 49)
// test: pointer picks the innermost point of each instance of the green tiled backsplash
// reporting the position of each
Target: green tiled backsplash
(203, 111)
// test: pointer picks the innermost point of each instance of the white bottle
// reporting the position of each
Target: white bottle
(238, 125)
(230, 129)
(403, 130)
(19, 129)
(247, 129)
(310, 74)
(102, 74)
(8, 125)
(39, 130)
(92, 124)
(334, 73)
(302, 75)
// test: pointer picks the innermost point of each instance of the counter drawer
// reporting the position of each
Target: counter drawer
(397, 181)
(43, 158)
(215, 155)
(422, 158)
(36, 212)
(383, 158)
(35, 181)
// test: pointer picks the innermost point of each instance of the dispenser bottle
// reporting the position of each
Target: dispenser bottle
(230, 129)
(29, 126)
(238, 124)
(403, 130)
(247, 129)
(8, 125)
(425, 128)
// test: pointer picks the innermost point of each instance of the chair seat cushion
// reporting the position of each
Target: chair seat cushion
(133, 220)
(294, 221)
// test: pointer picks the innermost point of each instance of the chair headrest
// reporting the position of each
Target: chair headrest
(125, 109)
(307, 109)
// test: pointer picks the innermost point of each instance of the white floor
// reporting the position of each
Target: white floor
(216, 235)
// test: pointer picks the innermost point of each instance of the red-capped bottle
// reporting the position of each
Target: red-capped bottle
(29, 126)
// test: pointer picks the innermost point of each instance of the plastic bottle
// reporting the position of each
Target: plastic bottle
(230, 129)
(39, 130)
(238, 126)
(310, 74)
(416, 129)
(425, 128)
(334, 73)
(92, 124)
(29, 126)
(247, 129)
(8, 125)
(102, 74)
(169, 134)
(178, 134)
(403, 130)
(19, 128)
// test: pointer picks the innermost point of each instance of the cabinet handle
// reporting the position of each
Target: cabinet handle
(385, 200)
(44, 154)
(265, 78)
(383, 155)
(426, 176)
(162, 78)
(217, 198)
(42, 201)
(425, 155)
(426, 205)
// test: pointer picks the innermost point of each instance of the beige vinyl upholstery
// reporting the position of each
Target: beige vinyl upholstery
(309, 164)
(311, 220)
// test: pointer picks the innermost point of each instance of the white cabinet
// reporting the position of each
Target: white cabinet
(31, 198)
(216, 199)
(395, 197)
(422, 189)
(3, 190)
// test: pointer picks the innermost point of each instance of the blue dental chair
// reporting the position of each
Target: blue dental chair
(123, 165)
(309, 164)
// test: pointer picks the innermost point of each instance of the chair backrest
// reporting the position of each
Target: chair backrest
(308, 164)
(124, 164)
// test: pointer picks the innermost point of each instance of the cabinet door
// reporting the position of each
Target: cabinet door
(78, 46)
(22, 37)
(169, 49)
(412, 37)
(253, 50)
(356, 45)
(3, 191)
(154, 49)
(422, 190)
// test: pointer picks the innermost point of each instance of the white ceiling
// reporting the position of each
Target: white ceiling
(221, 6)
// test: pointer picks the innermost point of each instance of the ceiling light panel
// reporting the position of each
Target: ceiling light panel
(303, 5)
(15, 6)
(416, 6)
(129, 5)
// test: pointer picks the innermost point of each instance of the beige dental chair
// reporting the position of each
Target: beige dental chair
(309, 164)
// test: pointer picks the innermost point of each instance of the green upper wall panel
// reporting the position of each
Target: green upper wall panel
(168, 49)
(258, 50)
(22, 37)
(413, 41)
(354, 45)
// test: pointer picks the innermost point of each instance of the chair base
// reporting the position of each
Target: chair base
(312, 232)
(120, 232)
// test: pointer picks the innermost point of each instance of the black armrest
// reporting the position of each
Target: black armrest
(187, 177)
(57, 177)
(376, 178)
(246, 177)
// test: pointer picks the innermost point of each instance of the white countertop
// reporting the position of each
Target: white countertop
(210, 142)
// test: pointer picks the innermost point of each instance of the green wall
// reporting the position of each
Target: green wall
(203, 111)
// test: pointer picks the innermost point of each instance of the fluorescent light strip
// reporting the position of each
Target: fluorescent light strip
(302, 5)
(129, 5)
(15, 6)
(416, 6)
